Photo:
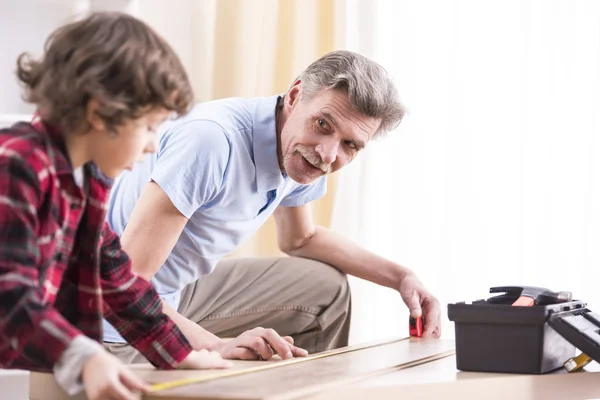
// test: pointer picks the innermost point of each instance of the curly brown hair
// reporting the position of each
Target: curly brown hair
(108, 56)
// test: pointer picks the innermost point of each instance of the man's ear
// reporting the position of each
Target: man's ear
(91, 115)
(294, 95)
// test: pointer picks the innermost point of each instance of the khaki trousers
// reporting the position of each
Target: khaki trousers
(297, 297)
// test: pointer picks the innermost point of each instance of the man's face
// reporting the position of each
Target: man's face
(323, 134)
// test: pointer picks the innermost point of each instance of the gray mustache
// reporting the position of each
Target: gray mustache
(314, 159)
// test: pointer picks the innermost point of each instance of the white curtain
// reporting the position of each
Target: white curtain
(494, 177)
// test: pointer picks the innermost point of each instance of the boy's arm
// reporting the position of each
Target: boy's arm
(26, 318)
(135, 310)
(68, 369)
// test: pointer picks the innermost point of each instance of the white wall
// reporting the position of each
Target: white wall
(24, 27)
(24, 30)
(493, 178)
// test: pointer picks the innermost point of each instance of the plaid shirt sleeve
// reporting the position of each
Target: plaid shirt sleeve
(135, 310)
(26, 317)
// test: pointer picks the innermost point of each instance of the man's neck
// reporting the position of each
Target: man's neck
(279, 121)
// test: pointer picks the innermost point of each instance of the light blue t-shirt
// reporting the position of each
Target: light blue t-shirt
(218, 165)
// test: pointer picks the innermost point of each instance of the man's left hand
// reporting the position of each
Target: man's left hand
(420, 302)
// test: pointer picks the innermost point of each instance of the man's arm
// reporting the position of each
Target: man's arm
(153, 217)
(151, 233)
(298, 236)
(149, 237)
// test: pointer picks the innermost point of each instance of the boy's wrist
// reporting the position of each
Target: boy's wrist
(200, 338)
(68, 370)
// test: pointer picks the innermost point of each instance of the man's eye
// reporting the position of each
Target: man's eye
(350, 144)
(322, 123)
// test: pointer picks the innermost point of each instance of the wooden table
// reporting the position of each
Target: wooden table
(441, 380)
(387, 371)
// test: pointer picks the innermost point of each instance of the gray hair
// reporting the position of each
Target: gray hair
(370, 89)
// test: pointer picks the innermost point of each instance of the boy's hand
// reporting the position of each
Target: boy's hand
(203, 359)
(105, 377)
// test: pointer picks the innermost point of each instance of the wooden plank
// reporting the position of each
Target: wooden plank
(250, 367)
(288, 381)
(301, 379)
(344, 382)
(43, 387)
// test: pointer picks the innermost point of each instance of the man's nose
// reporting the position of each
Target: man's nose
(328, 151)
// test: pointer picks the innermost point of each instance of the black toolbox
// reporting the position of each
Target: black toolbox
(494, 336)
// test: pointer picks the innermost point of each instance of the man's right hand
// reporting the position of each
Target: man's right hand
(255, 344)
(260, 343)
(105, 377)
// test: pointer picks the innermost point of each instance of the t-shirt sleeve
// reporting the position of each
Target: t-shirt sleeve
(306, 193)
(191, 162)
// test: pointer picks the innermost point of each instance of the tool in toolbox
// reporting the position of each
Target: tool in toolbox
(415, 326)
(526, 296)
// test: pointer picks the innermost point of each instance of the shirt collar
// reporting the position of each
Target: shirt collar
(58, 152)
(264, 145)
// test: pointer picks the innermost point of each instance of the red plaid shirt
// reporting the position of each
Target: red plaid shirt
(61, 267)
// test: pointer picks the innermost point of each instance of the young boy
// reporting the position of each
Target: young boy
(102, 87)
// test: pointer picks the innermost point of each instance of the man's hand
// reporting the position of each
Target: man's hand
(420, 302)
(260, 344)
(105, 377)
(204, 359)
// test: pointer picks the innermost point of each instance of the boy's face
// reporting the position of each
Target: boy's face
(133, 139)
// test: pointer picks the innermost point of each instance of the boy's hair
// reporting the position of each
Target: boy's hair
(111, 57)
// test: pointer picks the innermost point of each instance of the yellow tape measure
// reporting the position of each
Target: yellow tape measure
(576, 363)
(229, 373)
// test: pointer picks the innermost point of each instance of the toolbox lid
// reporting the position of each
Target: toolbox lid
(581, 328)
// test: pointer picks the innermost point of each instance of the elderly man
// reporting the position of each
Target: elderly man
(219, 173)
